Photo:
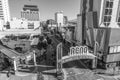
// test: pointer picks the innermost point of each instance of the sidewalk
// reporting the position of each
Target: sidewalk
(3, 77)
(65, 74)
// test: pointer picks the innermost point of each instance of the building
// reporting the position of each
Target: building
(59, 18)
(32, 14)
(78, 30)
(18, 23)
(100, 27)
(51, 23)
(107, 11)
(4, 11)
(65, 20)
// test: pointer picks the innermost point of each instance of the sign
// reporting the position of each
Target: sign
(114, 49)
(59, 57)
(78, 50)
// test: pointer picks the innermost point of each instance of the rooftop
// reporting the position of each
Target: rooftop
(31, 7)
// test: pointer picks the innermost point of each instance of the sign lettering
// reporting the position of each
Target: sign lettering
(114, 49)
(78, 50)
(59, 57)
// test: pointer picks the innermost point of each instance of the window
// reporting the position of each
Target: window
(118, 15)
(107, 12)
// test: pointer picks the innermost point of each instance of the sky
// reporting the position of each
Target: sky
(47, 8)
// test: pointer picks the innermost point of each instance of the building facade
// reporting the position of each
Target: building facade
(107, 11)
(30, 12)
(59, 18)
(32, 15)
(18, 23)
(51, 23)
(100, 24)
(4, 10)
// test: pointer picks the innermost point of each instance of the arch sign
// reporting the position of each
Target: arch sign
(78, 52)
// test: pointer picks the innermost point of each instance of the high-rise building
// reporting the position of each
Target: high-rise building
(59, 18)
(108, 11)
(100, 20)
(4, 11)
(30, 12)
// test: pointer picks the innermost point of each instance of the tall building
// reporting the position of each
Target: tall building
(30, 12)
(108, 11)
(32, 15)
(4, 11)
(100, 20)
(59, 18)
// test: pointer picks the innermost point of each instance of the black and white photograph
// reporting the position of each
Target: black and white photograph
(59, 39)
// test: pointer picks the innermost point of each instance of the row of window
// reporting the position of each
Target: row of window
(118, 14)
(108, 12)
(31, 12)
(108, 9)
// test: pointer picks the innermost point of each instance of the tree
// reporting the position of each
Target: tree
(49, 41)
(7, 25)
